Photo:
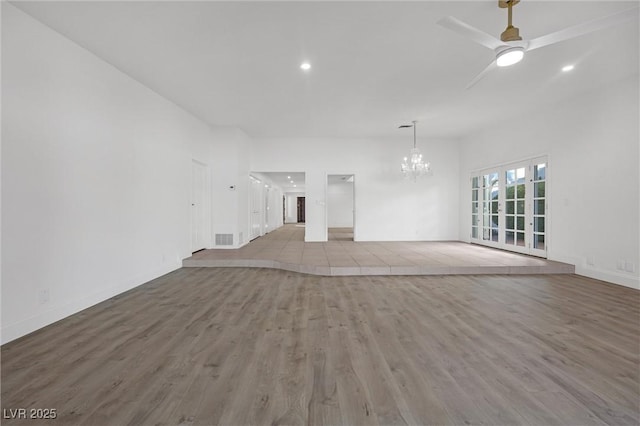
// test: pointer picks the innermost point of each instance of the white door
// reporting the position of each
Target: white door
(198, 206)
(509, 207)
(255, 207)
(267, 207)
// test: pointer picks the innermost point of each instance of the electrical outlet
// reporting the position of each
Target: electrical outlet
(43, 295)
(629, 267)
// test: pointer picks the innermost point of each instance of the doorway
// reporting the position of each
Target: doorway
(340, 207)
(301, 209)
(509, 207)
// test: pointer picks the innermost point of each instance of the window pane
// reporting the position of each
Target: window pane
(520, 222)
(538, 190)
(520, 239)
(486, 233)
(490, 180)
(474, 195)
(494, 207)
(474, 220)
(494, 193)
(474, 208)
(510, 222)
(474, 232)
(538, 224)
(538, 207)
(510, 237)
(511, 177)
(520, 175)
(521, 207)
(539, 172)
(510, 192)
(521, 191)
(510, 207)
(494, 222)
(538, 241)
(474, 182)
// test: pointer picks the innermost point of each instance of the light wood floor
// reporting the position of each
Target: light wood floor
(240, 346)
(284, 248)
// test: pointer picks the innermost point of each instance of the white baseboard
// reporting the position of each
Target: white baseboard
(609, 276)
(613, 277)
(56, 313)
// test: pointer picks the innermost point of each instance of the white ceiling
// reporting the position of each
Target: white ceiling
(375, 64)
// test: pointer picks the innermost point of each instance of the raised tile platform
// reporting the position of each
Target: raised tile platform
(285, 249)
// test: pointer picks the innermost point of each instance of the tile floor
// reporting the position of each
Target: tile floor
(285, 249)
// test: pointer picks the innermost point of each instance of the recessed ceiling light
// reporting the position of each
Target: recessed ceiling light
(294, 186)
(305, 66)
(288, 177)
(567, 68)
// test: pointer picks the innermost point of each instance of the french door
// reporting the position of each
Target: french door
(509, 207)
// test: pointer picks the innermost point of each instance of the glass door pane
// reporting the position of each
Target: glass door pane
(515, 192)
(539, 206)
(475, 201)
(490, 206)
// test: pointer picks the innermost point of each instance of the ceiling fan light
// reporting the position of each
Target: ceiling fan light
(510, 56)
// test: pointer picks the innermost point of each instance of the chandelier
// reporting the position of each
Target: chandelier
(414, 166)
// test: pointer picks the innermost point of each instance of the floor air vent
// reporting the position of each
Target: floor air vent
(224, 239)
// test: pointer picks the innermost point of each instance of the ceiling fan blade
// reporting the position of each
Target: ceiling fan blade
(480, 76)
(584, 28)
(470, 32)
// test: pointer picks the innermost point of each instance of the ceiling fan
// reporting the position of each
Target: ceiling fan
(510, 49)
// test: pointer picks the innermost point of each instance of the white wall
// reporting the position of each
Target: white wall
(230, 184)
(340, 204)
(592, 142)
(388, 208)
(96, 177)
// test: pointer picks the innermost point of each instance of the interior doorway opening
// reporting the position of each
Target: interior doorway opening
(300, 210)
(341, 212)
